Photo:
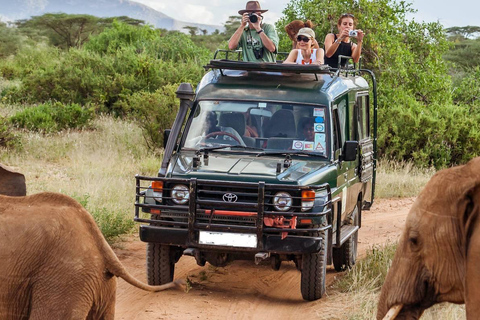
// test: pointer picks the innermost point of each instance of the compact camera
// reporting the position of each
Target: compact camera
(252, 17)
(353, 33)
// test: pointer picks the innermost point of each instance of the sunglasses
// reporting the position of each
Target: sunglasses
(304, 39)
(347, 15)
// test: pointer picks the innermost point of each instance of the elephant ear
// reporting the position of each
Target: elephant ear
(472, 251)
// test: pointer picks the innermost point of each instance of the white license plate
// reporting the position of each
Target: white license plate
(245, 240)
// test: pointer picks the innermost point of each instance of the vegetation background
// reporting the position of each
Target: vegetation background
(84, 102)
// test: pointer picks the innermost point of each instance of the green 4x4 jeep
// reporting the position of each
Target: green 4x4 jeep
(264, 162)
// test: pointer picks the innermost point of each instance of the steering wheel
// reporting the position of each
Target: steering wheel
(223, 133)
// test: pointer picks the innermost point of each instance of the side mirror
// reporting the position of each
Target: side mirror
(166, 134)
(350, 149)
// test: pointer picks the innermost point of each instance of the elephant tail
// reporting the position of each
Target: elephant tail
(115, 267)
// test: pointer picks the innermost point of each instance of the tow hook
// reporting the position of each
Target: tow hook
(260, 256)
(196, 254)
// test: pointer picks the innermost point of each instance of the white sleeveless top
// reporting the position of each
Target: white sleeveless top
(313, 57)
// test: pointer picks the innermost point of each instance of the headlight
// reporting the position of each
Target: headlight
(180, 194)
(282, 201)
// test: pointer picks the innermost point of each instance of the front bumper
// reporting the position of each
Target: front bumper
(269, 243)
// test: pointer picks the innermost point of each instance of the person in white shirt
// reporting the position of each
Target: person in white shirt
(305, 53)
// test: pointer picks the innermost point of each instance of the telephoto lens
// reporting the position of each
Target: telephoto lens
(253, 17)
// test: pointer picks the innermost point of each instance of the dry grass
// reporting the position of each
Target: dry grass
(96, 167)
(399, 180)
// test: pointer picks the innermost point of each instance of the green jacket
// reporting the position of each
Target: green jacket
(251, 41)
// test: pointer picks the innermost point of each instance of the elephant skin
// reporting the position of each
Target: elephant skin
(12, 183)
(438, 256)
(55, 262)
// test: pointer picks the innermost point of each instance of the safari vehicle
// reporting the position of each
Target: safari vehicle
(266, 162)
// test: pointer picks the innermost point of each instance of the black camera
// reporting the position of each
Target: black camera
(252, 17)
(258, 53)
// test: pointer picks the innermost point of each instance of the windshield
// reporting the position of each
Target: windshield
(259, 127)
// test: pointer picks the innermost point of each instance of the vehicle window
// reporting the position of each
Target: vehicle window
(342, 117)
(363, 119)
(262, 125)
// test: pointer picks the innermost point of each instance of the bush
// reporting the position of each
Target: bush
(437, 135)
(53, 117)
(155, 112)
(111, 224)
(8, 139)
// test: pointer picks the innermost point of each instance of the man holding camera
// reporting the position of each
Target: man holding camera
(259, 41)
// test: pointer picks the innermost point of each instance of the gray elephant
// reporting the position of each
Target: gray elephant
(12, 183)
(55, 263)
(438, 256)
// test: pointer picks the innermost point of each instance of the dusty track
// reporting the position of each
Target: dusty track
(243, 290)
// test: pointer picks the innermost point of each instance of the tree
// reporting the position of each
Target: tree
(68, 30)
(191, 30)
(463, 33)
(406, 57)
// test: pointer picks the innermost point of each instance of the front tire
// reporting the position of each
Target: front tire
(314, 271)
(160, 263)
(345, 257)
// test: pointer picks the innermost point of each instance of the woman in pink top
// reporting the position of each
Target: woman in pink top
(305, 52)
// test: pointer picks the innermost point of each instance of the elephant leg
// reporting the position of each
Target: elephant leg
(104, 305)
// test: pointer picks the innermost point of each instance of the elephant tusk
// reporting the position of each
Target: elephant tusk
(393, 312)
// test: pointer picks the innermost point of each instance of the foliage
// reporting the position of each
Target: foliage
(154, 111)
(85, 77)
(465, 54)
(10, 40)
(468, 90)
(121, 35)
(53, 117)
(463, 33)
(438, 136)
(8, 139)
(111, 224)
(413, 82)
(68, 30)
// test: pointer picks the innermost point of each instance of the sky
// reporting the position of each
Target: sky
(216, 12)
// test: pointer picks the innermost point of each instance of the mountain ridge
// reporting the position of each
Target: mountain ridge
(24, 9)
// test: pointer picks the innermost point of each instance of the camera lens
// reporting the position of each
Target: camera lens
(253, 17)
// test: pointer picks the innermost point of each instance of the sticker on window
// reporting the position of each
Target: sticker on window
(317, 112)
(319, 142)
(297, 145)
(308, 145)
(319, 127)
(319, 119)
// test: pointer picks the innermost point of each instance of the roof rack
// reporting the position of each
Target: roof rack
(223, 64)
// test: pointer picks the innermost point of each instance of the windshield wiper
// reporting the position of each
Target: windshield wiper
(287, 153)
(206, 149)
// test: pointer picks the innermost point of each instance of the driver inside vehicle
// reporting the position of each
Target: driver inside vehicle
(211, 130)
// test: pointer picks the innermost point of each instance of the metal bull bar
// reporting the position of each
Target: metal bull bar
(202, 214)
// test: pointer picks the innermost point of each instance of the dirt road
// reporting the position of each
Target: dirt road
(243, 290)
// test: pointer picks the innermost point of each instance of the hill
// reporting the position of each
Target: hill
(12, 10)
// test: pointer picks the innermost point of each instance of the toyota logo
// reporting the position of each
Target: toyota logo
(230, 197)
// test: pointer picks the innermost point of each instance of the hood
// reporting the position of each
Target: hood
(248, 168)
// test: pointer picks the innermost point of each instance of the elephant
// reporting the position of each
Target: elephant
(12, 183)
(438, 255)
(55, 262)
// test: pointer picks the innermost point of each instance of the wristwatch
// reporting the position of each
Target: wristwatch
(260, 31)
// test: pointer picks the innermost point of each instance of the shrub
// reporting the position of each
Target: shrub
(8, 139)
(155, 112)
(53, 117)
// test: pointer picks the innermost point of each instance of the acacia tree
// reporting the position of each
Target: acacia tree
(69, 30)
